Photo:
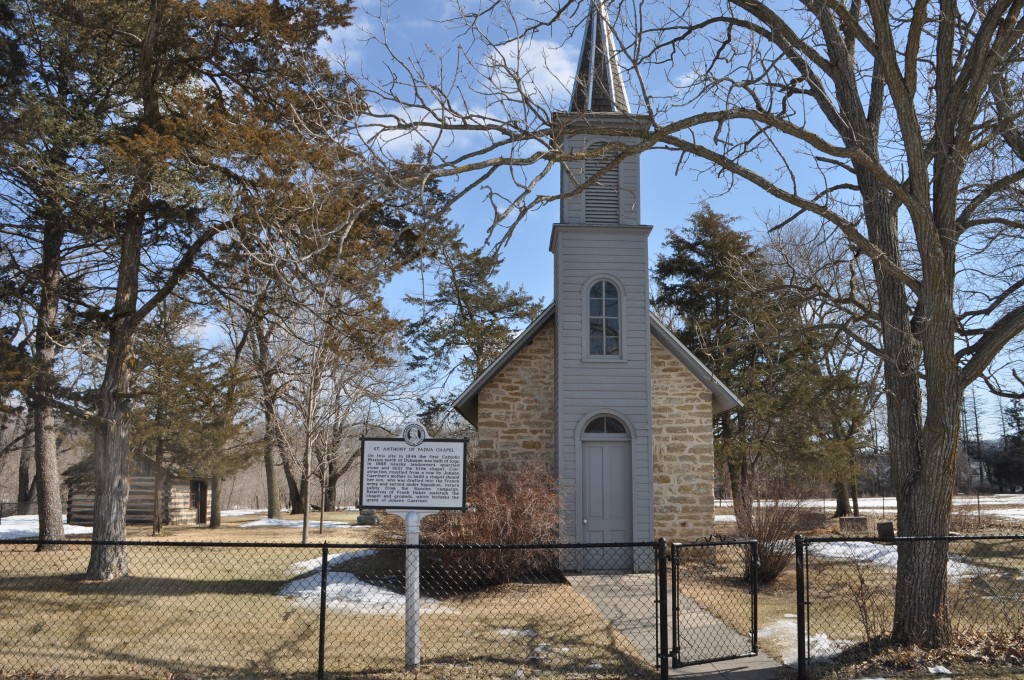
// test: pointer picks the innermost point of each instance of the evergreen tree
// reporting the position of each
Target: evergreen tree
(469, 318)
(1007, 467)
(740, 319)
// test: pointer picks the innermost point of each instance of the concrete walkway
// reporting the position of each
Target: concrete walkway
(627, 601)
(760, 667)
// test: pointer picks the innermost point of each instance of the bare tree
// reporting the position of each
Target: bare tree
(896, 125)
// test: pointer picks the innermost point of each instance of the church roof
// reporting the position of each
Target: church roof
(722, 398)
(599, 85)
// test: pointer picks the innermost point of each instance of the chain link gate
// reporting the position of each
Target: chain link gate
(714, 597)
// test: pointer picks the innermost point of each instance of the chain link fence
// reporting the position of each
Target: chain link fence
(846, 591)
(714, 604)
(232, 610)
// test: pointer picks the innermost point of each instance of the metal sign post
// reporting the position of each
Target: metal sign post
(412, 584)
(413, 477)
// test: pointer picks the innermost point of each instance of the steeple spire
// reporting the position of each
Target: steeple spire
(599, 85)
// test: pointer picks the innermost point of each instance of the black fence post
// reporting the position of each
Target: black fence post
(663, 608)
(323, 612)
(675, 605)
(801, 622)
(755, 563)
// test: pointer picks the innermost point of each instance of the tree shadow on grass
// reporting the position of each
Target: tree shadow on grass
(137, 586)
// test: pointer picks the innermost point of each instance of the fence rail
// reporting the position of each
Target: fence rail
(846, 591)
(269, 610)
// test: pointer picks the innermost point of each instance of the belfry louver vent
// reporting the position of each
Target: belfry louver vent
(601, 201)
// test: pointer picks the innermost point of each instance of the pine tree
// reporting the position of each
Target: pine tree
(740, 319)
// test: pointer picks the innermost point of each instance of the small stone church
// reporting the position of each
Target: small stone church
(596, 386)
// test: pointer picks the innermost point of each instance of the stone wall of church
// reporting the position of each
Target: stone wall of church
(517, 407)
(684, 461)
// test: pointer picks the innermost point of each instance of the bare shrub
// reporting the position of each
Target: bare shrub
(516, 508)
(772, 521)
(965, 520)
(773, 524)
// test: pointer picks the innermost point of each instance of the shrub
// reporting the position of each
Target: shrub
(773, 524)
(772, 521)
(517, 508)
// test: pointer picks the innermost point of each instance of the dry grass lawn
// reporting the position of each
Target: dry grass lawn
(216, 612)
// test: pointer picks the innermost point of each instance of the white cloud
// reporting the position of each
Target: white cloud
(542, 69)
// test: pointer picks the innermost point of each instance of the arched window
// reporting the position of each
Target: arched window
(603, 302)
(605, 425)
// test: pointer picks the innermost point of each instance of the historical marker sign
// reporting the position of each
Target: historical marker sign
(430, 475)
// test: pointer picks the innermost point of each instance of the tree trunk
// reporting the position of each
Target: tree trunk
(216, 483)
(304, 504)
(51, 525)
(923, 504)
(270, 465)
(26, 483)
(158, 486)
(110, 561)
(331, 500)
(294, 488)
(742, 503)
(50, 507)
(842, 500)
(856, 497)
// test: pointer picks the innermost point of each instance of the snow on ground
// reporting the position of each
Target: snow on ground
(242, 512)
(784, 632)
(297, 524)
(332, 561)
(346, 592)
(990, 505)
(883, 555)
(27, 526)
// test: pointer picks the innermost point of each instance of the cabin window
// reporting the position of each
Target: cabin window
(603, 302)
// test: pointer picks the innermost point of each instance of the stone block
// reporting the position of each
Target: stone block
(853, 525)
(808, 520)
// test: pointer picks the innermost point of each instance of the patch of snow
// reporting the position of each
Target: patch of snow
(332, 561)
(940, 670)
(883, 555)
(725, 518)
(242, 512)
(784, 630)
(27, 526)
(1006, 513)
(347, 593)
(889, 503)
(517, 632)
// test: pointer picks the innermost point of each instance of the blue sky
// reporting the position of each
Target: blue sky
(417, 28)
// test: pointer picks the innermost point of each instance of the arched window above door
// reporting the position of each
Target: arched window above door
(605, 425)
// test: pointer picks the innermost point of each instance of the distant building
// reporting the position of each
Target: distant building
(184, 500)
